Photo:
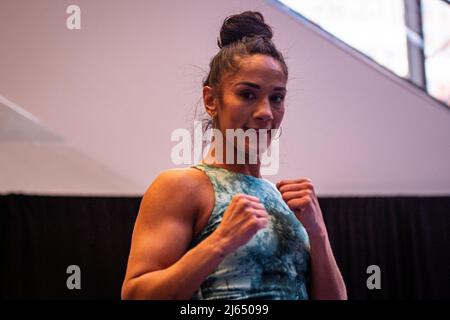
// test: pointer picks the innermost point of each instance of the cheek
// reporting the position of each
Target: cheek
(233, 112)
(278, 115)
(238, 115)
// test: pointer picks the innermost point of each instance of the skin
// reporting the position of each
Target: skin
(166, 269)
(259, 105)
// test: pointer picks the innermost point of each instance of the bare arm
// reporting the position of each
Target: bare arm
(326, 279)
(160, 265)
(178, 281)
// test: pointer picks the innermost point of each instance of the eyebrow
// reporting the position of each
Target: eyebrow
(254, 85)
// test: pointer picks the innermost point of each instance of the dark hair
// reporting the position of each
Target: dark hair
(241, 35)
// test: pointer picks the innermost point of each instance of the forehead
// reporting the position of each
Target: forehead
(259, 68)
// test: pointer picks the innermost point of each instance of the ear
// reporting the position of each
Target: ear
(210, 100)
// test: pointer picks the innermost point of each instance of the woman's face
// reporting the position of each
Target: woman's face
(253, 98)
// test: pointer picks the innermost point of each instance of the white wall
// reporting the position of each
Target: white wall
(118, 87)
(49, 169)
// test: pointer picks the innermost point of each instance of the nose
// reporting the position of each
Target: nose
(263, 111)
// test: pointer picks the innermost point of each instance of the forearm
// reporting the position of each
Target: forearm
(326, 279)
(180, 280)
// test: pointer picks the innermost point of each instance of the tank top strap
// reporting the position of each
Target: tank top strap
(214, 174)
(222, 183)
(228, 183)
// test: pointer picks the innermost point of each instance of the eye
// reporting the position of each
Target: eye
(278, 98)
(247, 95)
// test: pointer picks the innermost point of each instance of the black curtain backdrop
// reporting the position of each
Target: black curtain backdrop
(407, 237)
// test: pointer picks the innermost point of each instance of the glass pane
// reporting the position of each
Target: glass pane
(436, 28)
(374, 27)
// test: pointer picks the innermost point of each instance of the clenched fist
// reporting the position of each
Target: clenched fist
(244, 216)
(300, 197)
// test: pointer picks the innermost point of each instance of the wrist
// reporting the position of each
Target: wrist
(217, 245)
(317, 233)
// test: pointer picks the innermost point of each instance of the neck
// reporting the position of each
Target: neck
(244, 168)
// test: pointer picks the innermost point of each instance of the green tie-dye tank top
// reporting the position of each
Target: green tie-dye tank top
(275, 263)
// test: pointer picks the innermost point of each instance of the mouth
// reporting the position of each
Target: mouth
(256, 129)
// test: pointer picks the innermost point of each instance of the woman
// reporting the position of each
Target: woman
(218, 230)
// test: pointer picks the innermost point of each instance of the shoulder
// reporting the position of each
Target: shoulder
(185, 180)
(183, 187)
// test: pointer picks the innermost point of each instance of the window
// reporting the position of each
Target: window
(378, 29)
(436, 29)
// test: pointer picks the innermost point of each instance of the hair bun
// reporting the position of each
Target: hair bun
(243, 26)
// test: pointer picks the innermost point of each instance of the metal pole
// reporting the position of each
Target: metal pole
(415, 42)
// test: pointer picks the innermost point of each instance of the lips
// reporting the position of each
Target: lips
(246, 128)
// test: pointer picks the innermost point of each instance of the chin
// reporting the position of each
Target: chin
(252, 148)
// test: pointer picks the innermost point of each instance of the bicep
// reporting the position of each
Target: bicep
(163, 228)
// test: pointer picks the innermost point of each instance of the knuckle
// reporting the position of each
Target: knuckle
(243, 206)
